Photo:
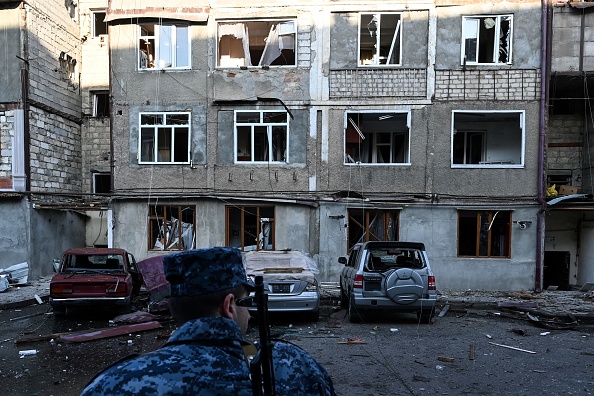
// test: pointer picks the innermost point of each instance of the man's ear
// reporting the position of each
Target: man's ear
(228, 307)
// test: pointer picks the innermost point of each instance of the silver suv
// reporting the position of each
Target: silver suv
(393, 276)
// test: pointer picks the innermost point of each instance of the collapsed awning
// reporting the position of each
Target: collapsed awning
(171, 9)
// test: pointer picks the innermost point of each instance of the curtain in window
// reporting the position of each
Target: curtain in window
(272, 47)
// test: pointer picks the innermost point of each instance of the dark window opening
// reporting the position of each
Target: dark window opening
(484, 233)
(250, 227)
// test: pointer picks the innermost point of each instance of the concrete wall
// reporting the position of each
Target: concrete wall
(526, 32)
(10, 42)
(52, 232)
(95, 141)
(14, 232)
(53, 44)
(571, 27)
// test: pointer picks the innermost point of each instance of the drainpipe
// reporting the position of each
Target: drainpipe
(544, 94)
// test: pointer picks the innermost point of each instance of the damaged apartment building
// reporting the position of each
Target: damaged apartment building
(312, 126)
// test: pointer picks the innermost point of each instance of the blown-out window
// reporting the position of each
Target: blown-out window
(250, 227)
(487, 39)
(372, 225)
(484, 233)
(171, 227)
(488, 139)
(256, 43)
(163, 47)
(380, 39)
(164, 138)
(377, 138)
(261, 136)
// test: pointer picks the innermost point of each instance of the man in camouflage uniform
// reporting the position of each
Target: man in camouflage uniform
(205, 356)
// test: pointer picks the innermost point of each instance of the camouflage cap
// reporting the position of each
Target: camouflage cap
(201, 271)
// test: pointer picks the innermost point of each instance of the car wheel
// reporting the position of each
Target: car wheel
(344, 300)
(354, 314)
(426, 315)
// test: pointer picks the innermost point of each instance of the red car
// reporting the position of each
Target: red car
(95, 277)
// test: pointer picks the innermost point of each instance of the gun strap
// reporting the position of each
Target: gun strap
(249, 351)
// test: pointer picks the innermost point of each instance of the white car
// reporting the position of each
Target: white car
(289, 279)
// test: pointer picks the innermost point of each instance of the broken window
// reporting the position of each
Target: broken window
(261, 136)
(380, 39)
(101, 183)
(250, 227)
(486, 39)
(100, 103)
(484, 233)
(163, 47)
(377, 138)
(372, 225)
(488, 139)
(99, 24)
(171, 227)
(256, 43)
(164, 138)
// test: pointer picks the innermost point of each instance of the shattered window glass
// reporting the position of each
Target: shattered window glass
(487, 39)
(379, 39)
(172, 227)
(163, 47)
(484, 233)
(257, 43)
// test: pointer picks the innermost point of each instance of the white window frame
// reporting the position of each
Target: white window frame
(95, 98)
(384, 114)
(395, 45)
(94, 23)
(470, 30)
(269, 137)
(488, 162)
(286, 36)
(148, 58)
(155, 146)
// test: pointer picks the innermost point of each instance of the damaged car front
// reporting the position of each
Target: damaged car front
(95, 277)
(290, 279)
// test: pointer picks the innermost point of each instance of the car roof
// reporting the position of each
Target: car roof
(99, 251)
(392, 244)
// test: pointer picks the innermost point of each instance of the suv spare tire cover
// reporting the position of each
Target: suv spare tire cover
(404, 286)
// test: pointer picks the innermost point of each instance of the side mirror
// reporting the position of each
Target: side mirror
(342, 260)
(56, 264)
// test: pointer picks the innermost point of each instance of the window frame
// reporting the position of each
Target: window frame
(496, 43)
(160, 215)
(172, 145)
(255, 211)
(96, 102)
(96, 183)
(353, 122)
(255, 130)
(396, 40)
(94, 29)
(154, 39)
(363, 218)
(490, 221)
(521, 114)
(243, 62)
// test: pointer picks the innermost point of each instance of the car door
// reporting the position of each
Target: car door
(350, 269)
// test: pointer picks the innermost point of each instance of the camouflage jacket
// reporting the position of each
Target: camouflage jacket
(205, 357)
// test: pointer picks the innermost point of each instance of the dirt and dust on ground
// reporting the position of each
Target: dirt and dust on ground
(520, 342)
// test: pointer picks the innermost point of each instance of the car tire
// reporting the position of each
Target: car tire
(426, 315)
(354, 314)
(344, 299)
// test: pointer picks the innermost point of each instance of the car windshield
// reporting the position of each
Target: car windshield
(384, 259)
(95, 262)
